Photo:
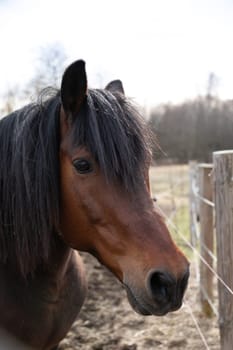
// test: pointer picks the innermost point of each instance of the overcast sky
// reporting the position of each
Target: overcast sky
(163, 50)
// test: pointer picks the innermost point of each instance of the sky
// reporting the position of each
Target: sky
(162, 50)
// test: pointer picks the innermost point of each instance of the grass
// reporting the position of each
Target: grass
(170, 185)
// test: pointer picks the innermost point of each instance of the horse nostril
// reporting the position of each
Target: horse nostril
(158, 285)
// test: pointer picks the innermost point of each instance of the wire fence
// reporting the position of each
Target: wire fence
(178, 188)
(192, 315)
(205, 258)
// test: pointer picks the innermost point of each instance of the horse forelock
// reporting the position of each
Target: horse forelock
(29, 184)
(116, 135)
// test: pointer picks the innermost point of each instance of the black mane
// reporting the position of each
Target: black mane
(108, 126)
(116, 135)
(29, 184)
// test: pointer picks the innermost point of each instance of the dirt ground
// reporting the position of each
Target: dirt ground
(107, 322)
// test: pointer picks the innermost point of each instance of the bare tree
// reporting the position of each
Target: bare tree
(212, 85)
(9, 99)
(49, 68)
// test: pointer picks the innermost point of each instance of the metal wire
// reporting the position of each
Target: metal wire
(213, 307)
(196, 193)
(196, 252)
(197, 325)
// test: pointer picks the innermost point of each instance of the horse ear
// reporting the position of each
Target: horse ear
(74, 87)
(115, 86)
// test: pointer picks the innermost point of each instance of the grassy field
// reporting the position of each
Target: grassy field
(170, 186)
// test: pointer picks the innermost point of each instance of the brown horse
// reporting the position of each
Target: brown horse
(74, 176)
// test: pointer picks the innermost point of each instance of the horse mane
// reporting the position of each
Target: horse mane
(108, 125)
(29, 184)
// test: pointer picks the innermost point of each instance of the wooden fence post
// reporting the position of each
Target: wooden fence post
(206, 238)
(192, 201)
(223, 192)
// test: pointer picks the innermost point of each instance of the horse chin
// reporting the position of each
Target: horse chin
(143, 308)
(137, 307)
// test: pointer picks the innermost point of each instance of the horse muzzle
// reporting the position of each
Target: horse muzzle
(162, 293)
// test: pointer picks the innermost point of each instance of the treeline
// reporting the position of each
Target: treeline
(193, 129)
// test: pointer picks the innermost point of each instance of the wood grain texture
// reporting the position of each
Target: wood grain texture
(206, 238)
(223, 192)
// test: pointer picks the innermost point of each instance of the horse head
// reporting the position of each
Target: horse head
(105, 203)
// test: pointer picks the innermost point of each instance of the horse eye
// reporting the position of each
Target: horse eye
(83, 166)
